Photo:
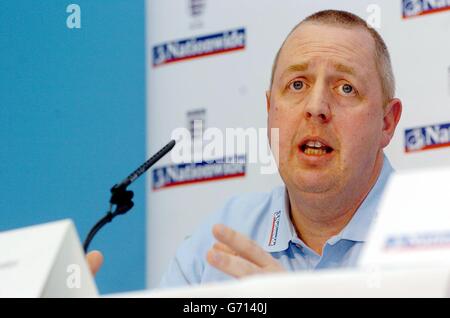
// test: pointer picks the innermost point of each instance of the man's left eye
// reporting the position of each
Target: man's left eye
(297, 85)
(347, 89)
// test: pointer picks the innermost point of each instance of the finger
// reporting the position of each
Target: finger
(231, 264)
(242, 245)
(224, 248)
(95, 261)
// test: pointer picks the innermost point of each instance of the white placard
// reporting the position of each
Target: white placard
(413, 226)
(44, 261)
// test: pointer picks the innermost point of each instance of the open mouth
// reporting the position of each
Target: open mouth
(315, 148)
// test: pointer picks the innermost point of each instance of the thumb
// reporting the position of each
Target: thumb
(95, 261)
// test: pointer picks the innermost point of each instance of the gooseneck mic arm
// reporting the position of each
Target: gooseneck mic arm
(121, 197)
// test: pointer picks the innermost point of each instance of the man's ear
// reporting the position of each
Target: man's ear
(392, 114)
(268, 100)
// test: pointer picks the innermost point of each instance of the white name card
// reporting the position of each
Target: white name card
(44, 261)
(413, 225)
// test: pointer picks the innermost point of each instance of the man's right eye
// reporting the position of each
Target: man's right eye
(297, 85)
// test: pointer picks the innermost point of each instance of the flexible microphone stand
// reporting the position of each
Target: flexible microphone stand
(121, 198)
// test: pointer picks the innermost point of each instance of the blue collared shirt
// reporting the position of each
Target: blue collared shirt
(264, 217)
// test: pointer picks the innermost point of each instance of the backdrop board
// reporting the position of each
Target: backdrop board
(209, 62)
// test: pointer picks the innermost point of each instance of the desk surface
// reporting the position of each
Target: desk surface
(429, 282)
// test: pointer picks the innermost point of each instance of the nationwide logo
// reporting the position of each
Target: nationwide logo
(275, 225)
(414, 8)
(418, 241)
(196, 47)
(428, 137)
(187, 173)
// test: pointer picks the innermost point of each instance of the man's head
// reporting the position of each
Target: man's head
(331, 96)
(349, 20)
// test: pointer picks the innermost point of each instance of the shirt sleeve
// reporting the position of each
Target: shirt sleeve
(189, 266)
(186, 267)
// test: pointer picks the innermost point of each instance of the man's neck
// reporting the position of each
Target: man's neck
(316, 220)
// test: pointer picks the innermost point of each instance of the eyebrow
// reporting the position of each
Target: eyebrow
(304, 66)
(344, 69)
(297, 68)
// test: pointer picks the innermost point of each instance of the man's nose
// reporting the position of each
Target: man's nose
(318, 106)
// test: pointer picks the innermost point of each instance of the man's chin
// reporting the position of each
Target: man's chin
(314, 188)
(314, 183)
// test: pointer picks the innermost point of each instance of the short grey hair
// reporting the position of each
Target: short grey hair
(349, 20)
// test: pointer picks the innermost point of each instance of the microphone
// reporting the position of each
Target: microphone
(144, 167)
(121, 197)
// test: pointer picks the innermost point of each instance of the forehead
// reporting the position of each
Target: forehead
(314, 44)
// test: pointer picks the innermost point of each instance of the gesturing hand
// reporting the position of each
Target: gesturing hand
(238, 256)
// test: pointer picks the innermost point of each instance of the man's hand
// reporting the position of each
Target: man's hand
(95, 261)
(238, 256)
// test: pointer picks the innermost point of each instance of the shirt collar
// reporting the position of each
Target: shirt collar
(279, 230)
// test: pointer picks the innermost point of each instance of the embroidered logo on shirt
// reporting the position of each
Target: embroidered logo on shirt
(275, 226)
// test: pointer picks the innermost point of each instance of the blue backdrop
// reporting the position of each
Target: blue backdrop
(72, 123)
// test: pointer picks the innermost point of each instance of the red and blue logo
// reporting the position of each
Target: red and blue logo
(188, 173)
(419, 241)
(426, 138)
(275, 226)
(196, 47)
(414, 8)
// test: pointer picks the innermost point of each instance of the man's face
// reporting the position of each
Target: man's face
(326, 100)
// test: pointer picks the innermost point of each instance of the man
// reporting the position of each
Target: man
(332, 98)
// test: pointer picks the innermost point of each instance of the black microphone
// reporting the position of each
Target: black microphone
(144, 167)
(121, 197)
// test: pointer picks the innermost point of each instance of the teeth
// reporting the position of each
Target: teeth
(315, 152)
(315, 144)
